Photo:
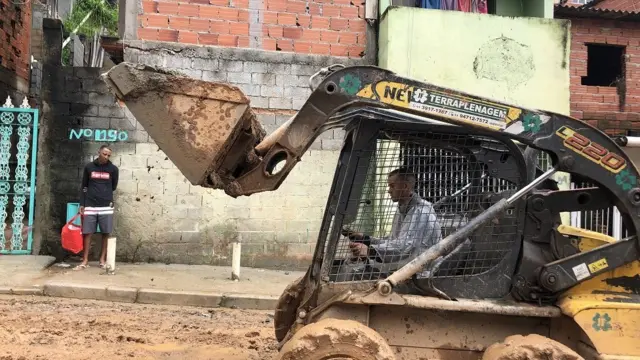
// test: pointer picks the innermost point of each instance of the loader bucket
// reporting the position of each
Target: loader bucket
(207, 129)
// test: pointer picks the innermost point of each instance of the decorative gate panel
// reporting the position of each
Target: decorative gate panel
(18, 149)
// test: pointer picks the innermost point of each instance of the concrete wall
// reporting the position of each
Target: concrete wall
(518, 60)
(160, 216)
(613, 108)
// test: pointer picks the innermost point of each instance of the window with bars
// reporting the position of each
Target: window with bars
(450, 184)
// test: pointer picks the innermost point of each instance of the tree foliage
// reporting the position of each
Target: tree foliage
(103, 14)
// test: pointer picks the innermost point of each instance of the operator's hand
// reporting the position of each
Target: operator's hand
(358, 249)
(352, 234)
(81, 210)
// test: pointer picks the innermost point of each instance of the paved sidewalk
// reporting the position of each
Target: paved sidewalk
(194, 285)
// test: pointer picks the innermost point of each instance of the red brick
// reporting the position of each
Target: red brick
(292, 33)
(339, 24)
(187, 37)
(241, 4)
(208, 12)
(319, 22)
(330, 10)
(284, 45)
(314, 9)
(302, 47)
(243, 15)
(199, 2)
(219, 27)
(312, 35)
(268, 44)
(189, 10)
(149, 7)
(349, 12)
(286, 19)
(296, 7)
(323, 49)
(157, 21)
(347, 38)
(276, 5)
(243, 41)
(357, 25)
(239, 28)
(269, 17)
(339, 50)
(168, 8)
(208, 39)
(362, 38)
(330, 36)
(179, 23)
(275, 31)
(304, 20)
(361, 10)
(219, 2)
(227, 40)
(228, 14)
(167, 35)
(147, 34)
(199, 25)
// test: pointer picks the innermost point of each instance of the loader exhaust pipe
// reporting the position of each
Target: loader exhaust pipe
(452, 241)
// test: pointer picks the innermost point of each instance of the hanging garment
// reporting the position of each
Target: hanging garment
(479, 6)
(464, 5)
(449, 5)
(430, 4)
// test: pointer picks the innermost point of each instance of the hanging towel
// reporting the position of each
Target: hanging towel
(464, 5)
(449, 5)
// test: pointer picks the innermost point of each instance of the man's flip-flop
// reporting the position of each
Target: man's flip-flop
(80, 267)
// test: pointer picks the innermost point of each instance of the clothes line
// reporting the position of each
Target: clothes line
(473, 6)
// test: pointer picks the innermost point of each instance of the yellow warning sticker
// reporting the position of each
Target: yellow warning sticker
(598, 265)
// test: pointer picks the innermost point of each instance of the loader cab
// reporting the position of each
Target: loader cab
(458, 172)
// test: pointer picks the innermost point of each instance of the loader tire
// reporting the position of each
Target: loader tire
(333, 339)
(530, 347)
(285, 313)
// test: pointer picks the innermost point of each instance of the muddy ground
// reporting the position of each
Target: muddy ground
(69, 329)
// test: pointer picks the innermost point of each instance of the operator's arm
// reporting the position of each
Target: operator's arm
(422, 224)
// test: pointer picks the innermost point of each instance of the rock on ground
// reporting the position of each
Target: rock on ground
(68, 329)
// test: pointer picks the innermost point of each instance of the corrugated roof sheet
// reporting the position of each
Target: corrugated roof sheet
(568, 11)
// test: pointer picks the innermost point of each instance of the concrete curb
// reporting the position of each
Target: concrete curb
(147, 296)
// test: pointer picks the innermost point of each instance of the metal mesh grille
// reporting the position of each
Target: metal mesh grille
(451, 187)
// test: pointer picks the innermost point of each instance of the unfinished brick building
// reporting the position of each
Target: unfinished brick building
(605, 63)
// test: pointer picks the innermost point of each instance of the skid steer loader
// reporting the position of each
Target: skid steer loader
(496, 275)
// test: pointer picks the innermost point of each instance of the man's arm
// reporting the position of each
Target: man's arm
(84, 187)
(423, 224)
(114, 178)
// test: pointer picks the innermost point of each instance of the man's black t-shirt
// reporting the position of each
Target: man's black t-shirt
(99, 181)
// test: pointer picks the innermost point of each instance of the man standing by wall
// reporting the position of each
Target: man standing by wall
(99, 181)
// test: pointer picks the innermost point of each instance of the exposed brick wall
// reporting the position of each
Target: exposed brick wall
(15, 29)
(327, 27)
(601, 105)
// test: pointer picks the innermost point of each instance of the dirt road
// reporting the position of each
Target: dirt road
(69, 329)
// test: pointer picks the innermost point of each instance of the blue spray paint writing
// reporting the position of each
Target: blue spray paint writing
(99, 134)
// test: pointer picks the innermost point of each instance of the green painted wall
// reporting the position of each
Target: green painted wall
(519, 60)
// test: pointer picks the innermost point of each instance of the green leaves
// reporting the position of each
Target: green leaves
(103, 14)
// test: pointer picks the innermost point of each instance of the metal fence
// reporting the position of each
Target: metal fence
(18, 149)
